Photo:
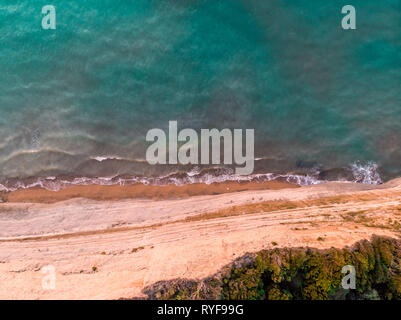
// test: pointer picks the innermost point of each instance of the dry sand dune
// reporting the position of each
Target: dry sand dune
(113, 249)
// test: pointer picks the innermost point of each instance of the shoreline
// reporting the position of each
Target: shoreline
(175, 185)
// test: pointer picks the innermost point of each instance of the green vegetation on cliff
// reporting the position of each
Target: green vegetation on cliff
(298, 273)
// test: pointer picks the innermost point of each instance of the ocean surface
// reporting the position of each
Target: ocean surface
(76, 102)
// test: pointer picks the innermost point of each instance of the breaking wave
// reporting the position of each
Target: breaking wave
(362, 173)
(366, 173)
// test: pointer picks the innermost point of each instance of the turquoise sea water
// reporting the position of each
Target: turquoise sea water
(324, 102)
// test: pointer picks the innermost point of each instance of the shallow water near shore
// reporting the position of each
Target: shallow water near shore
(76, 103)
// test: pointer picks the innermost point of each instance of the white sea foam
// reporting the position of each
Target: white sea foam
(53, 184)
(363, 173)
(366, 173)
(103, 158)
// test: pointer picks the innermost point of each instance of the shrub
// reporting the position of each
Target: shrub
(299, 273)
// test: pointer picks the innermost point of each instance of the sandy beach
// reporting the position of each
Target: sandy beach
(112, 242)
(137, 191)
